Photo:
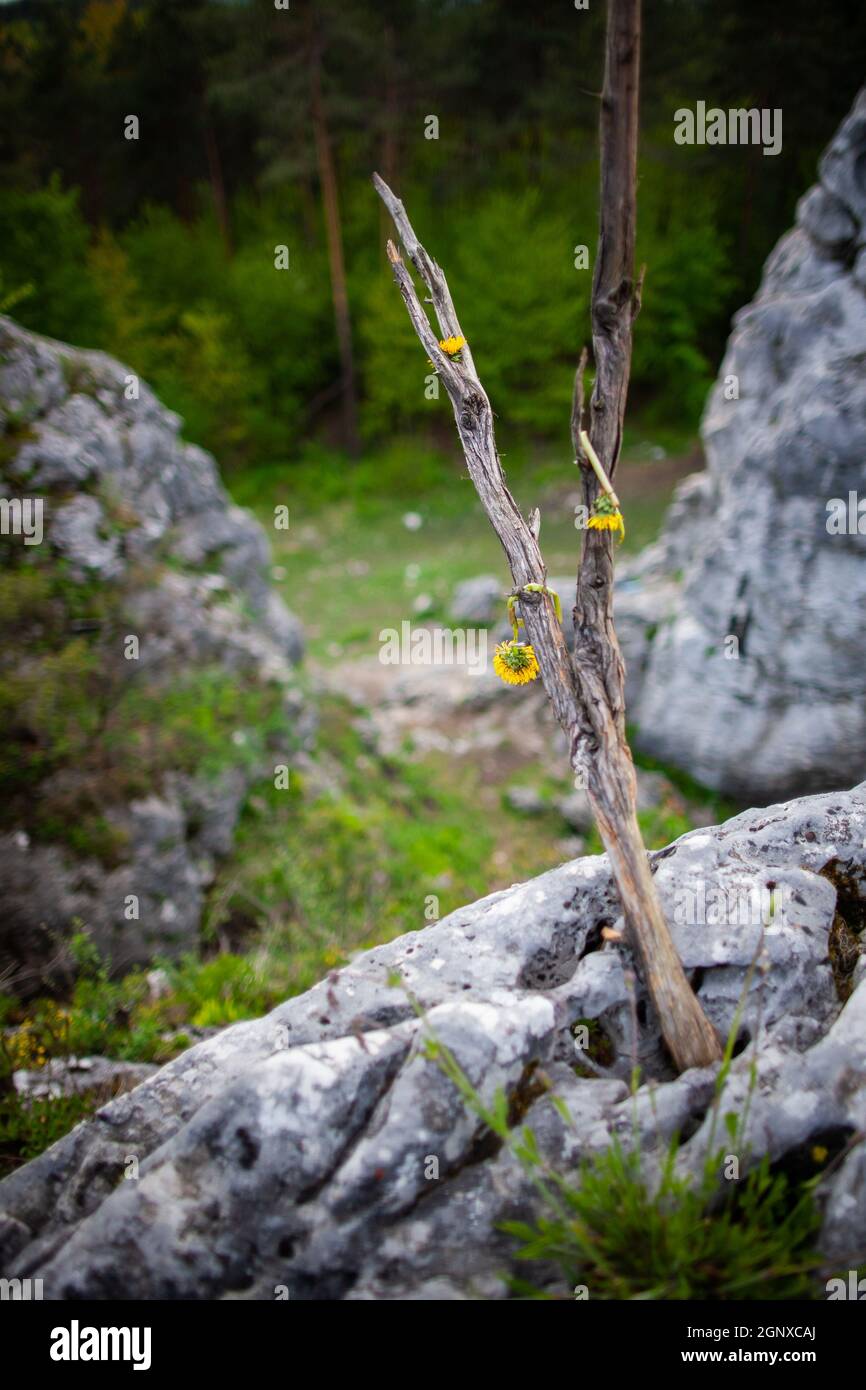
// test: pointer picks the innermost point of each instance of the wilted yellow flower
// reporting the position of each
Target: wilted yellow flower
(608, 521)
(515, 662)
(452, 345)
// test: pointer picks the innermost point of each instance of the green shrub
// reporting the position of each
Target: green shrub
(29, 1127)
(218, 991)
(43, 247)
(688, 282)
(523, 306)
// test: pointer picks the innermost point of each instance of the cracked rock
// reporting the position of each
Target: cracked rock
(321, 1151)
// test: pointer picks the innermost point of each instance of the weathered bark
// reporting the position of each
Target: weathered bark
(586, 693)
(610, 771)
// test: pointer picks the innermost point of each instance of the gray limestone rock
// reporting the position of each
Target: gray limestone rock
(71, 1076)
(320, 1152)
(744, 629)
(479, 600)
(132, 513)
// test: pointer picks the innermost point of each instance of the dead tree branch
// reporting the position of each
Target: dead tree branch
(587, 692)
(597, 658)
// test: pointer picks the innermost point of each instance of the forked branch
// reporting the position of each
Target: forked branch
(587, 692)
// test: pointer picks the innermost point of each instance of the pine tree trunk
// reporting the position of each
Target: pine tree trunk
(336, 262)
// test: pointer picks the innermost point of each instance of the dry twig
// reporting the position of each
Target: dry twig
(586, 692)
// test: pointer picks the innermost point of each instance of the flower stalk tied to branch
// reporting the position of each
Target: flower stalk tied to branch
(608, 511)
(585, 686)
(514, 661)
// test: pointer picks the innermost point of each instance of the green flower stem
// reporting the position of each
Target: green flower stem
(598, 469)
(513, 618)
(531, 589)
(551, 593)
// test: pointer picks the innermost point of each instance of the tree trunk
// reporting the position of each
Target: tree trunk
(217, 183)
(334, 237)
(609, 770)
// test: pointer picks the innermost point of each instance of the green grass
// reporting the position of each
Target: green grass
(360, 847)
(343, 561)
(620, 1236)
(318, 874)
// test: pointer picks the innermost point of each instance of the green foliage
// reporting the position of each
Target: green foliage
(43, 250)
(244, 352)
(396, 373)
(623, 1231)
(523, 306)
(688, 283)
(29, 1127)
(624, 1236)
(219, 991)
(12, 295)
(204, 721)
(237, 347)
(511, 263)
(49, 681)
(161, 249)
(69, 706)
(283, 323)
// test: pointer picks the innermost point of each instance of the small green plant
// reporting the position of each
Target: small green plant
(625, 1237)
(623, 1231)
(27, 1128)
(215, 992)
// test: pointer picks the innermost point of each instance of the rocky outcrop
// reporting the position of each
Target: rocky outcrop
(295, 1154)
(75, 1076)
(744, 630)
(147, 668)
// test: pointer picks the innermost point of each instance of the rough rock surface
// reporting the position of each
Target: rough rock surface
(132, 510)
(294, 1153)
(746, 552)
(71, 1076)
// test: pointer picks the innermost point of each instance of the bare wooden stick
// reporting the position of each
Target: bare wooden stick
(587, 693)
(474, 419)
(597, 658)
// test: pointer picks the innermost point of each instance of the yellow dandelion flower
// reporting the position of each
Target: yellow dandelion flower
(608, 521)
(819, 1153)
(452, 345)
(515, 663)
